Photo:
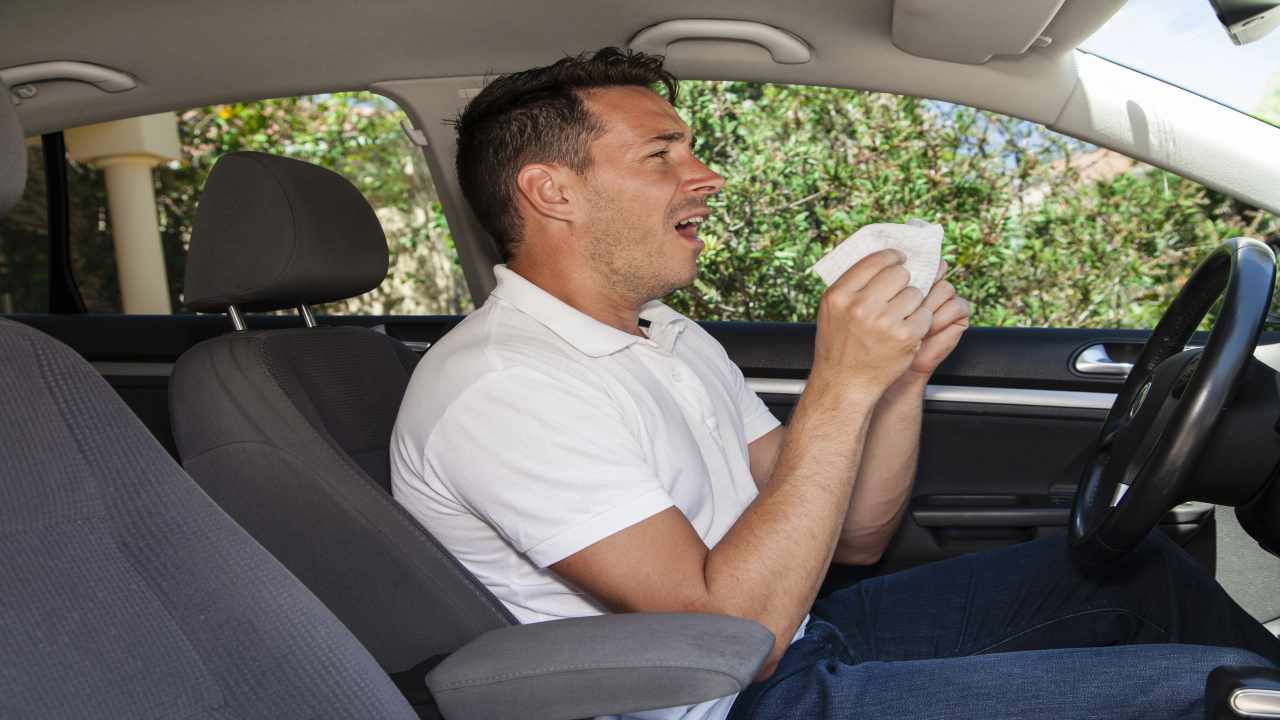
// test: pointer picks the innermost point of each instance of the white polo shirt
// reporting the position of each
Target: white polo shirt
(531, 431)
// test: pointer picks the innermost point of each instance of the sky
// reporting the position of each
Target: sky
(1182, 42)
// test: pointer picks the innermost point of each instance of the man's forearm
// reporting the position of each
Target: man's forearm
(781, 546)
(886, 473)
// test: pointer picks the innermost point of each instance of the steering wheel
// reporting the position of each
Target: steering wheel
(1144, 460)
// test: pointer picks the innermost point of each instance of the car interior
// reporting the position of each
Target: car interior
(198, 519)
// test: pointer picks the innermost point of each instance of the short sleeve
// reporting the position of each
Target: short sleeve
(757, 419)
(550, 463)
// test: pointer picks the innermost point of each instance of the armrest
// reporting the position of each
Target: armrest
(602, 665)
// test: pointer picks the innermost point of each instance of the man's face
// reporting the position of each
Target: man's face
(645, 194)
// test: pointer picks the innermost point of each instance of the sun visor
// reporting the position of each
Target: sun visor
(974, 31)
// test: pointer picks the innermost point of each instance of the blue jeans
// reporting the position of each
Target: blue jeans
(1016, 633)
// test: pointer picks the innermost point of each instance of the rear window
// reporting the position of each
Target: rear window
(24, 245)
(357, 135)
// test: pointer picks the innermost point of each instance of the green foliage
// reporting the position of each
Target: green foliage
(356, 135)
(1270, 108)
(1040, 229)
(24, 246)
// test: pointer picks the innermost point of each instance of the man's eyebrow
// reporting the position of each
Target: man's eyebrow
(673, 136)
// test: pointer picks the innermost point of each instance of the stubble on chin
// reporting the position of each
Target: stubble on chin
(634, 265)
(643, 276)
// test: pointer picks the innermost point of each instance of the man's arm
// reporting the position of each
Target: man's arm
(768, 567)
(887, 471)
(884, 476)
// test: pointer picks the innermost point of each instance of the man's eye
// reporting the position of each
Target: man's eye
(660, 153)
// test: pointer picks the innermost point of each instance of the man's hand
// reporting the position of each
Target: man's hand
(870, 326)
(950, 320)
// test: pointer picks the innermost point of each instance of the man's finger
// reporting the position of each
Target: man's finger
(907, 301)
(939, 294)
(954, 310)
(948, 339)
(920, 321)
(857, 277)
(886, 285)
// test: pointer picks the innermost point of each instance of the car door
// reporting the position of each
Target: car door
(1068, 252)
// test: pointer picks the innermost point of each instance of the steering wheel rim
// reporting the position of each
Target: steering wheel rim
(1169, 405)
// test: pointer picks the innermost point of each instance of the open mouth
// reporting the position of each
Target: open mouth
(688, 228)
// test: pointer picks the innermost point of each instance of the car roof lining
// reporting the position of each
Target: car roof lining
(185, 54)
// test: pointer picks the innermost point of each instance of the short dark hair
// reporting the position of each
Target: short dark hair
(535, 116)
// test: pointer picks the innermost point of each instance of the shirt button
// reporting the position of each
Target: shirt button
(677, 376)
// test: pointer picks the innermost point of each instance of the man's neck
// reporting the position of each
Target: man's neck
(583, 291)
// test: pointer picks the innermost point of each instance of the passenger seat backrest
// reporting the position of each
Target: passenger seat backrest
(289, 430)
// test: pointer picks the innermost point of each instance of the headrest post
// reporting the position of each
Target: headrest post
(237, 320)
(307, 318)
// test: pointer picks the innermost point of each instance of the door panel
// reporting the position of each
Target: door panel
(1009, 423)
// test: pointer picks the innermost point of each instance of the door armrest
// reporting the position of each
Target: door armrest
(601, 665)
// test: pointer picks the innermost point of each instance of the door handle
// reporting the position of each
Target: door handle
(1095, 360)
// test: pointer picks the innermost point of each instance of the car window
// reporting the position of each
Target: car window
(357, 135)
(24, 245)
(1040, 229)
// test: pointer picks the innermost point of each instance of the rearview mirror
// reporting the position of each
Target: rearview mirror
(1247, 20)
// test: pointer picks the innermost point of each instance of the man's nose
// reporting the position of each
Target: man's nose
(704, 180)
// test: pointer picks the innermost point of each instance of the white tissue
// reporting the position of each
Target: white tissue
(920, 241)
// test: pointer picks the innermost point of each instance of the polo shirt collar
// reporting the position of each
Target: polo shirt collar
(588, 335)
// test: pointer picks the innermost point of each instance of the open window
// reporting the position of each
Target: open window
(134, 186)
(1041, 229)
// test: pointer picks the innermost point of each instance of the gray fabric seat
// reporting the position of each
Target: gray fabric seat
(289, 431)
(126, 592)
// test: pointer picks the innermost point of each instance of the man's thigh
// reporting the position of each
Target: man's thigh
(1024, 597)
(1135, 681)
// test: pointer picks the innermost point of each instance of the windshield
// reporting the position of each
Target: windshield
(1182, 43)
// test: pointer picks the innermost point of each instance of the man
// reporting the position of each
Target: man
(582, 448)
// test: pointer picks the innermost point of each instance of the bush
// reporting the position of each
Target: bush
(1040, 229)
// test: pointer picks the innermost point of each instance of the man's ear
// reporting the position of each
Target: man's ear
(543, 188)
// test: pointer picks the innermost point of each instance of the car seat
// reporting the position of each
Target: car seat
(289, 430)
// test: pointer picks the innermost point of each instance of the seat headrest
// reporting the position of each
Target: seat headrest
(273, 233)
(13, 153)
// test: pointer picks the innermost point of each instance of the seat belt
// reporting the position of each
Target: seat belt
(413, 685)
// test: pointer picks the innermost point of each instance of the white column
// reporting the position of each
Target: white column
(126, 151)
(131, 200)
